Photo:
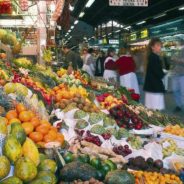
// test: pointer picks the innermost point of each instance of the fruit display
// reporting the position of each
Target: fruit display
(61, 72)
(22, 62)
(175, 130)
(5, 7)
(47, 56)
(157, 178)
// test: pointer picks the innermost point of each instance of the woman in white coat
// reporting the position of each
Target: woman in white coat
(109, 65)
(88, 62)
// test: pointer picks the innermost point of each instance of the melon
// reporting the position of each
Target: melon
(4, 167)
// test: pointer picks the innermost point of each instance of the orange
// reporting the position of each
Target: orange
(58, 97)
(28, 127)
(14, 120)
(53, 134)
(60, 138)
(31, 113)
(42, 129)
(56, 88)
(41, 144)
(35, 121)
(11, 114)
(45, 123)
(62, 85)
(20, 107)
(25, 116)
(48, 138)
(36, 136)
(54, 129)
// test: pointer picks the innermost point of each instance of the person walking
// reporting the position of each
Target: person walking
(126, 68)
(99, 70)
(88, 62)
(178, 79)
(153, 86)
(109, 65)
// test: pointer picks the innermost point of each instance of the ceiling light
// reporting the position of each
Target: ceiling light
(76, 22)
(159, 16)
(104, 36)
(72, 27)
(69, 31)
(128, 27)
(81, 14)
(109, 34)
(140, 23)
(181, 8)
(71, 8)
(89, 3)
(117, 31)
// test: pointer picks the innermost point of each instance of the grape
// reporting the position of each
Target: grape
(120, 150)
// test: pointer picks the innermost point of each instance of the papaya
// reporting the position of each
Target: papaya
(25, 169)
(42, 157)
(48, 165)
(3, 126)
(38, 181)
(30, 150)
(12, 149)
(11, 180)
(4, 167)
(47, 176)
(17, 131)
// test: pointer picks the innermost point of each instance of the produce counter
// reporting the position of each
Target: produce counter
(65, 127)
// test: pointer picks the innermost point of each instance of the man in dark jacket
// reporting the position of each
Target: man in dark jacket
(71, 57)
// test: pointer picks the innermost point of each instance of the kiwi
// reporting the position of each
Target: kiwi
(86, 109)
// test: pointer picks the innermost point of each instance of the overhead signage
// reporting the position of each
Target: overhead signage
(113, 42)
(144, 34)
(133, 37)
(143, 3)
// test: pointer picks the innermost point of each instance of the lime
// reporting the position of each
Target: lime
(106, 168)
(95, 162)
(111, 164)
(68, 157)
(84, 158)
(101, 175)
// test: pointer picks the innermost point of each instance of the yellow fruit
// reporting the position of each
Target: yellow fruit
(30, 150)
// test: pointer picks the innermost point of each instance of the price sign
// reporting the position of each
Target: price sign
(143, 3)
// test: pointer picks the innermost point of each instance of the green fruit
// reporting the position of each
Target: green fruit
(12, 149)
(11, 180)
(47, 176)
(9, 88)
(101, 175)
(95, 162)
(48, 165)
(3, 127)
(4, 167)
(111, 164)
(68, 157)
(43, 157)
(84, 158)
(25, 169)
(17, 131)
(38, 181)
(106, 168)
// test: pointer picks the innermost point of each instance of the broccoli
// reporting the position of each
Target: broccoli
(94, 118)
(98, 129)
(80, 114)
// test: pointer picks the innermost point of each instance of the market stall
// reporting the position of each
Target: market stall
(66, 127)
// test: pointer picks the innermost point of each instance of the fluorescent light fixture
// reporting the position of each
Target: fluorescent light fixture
(104, 36)
(117, 31)
(81, 14)
(76, 22)
(121, 26)
(159, 16)
(71, 8)
(109, 34)
(181, 8)
(72, 27)
(142, 22)
(69, 31)
(89, 3)
(128, 27)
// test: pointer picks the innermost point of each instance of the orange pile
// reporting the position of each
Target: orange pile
(40, 131)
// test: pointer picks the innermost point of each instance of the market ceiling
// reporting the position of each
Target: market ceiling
(100, 12)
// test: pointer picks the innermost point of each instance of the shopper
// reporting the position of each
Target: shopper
(88, 62)
(110, 68)
(71, 57)
(126, 67)
(153, 86)
(178, 79)
(99, 70)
